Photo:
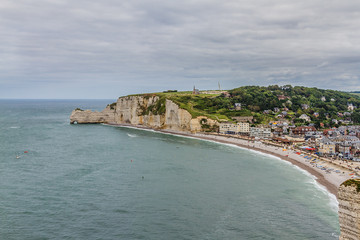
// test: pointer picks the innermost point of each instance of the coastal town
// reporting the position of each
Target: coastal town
(339, 146)
(304, 119)
(335, 143)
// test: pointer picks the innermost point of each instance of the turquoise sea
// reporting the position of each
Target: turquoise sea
(104, 182)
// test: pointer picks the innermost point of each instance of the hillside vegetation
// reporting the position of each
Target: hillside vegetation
(272, 103)
(356, 93)
(213, 106)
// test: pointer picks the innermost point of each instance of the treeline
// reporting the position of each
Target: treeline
(324, 104)
(267, 103)
(320, 105)
(265, 98)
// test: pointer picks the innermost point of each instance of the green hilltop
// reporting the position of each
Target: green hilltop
(357, 93)
(352, 182)
(268, 104)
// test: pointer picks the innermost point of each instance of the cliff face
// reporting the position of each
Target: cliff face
(152, 112)
(134, 110)
(349, 210)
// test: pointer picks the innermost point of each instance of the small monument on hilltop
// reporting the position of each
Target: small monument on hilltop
(195, 91)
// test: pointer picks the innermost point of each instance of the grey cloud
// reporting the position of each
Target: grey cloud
(122, 47)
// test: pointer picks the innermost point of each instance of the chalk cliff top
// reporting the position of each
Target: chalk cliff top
(352, 182)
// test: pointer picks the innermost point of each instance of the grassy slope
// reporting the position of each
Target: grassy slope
(356, 94)
(187, 101)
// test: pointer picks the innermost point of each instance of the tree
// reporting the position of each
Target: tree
(356, 117)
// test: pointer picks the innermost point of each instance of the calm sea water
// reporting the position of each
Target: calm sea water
(102, 182)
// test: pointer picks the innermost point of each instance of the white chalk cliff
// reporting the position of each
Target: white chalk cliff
(349, 210)
(147, 111)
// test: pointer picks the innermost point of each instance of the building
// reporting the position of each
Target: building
(304, 106)
(243, 127)
(260, 132)
(350, 107)
(232, 128)
(344, 149)
(237, 106)
(217, 92)
(195, 91)
(268, 111)
(283, 97)
(226, 94)
(243, 118)
(326, 147)
(316, 134)
(305, 117)
(278, 131)
(227, 128)
(300, 131)
(279, 123)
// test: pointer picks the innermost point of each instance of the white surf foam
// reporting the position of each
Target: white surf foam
(132, 135)
(131, 127)
(333, 203)
(14, 127)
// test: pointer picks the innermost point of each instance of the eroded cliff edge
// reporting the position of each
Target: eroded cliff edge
(148, 111)
(349, 209)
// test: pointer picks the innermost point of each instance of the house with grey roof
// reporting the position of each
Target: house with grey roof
(305, 117)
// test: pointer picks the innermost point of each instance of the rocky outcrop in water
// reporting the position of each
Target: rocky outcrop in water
(349, 209)
(148, 111)
(87, 116)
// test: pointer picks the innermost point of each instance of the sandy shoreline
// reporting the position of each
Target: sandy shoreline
(330, 180)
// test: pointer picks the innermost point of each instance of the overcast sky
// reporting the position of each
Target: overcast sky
(111, 48)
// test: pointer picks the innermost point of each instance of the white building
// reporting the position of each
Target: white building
(260, 132)
(237, 106)
(350, 107)
(228, 128)
(243, 127)
(304, 106)
(305, 117)
(232, 128)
